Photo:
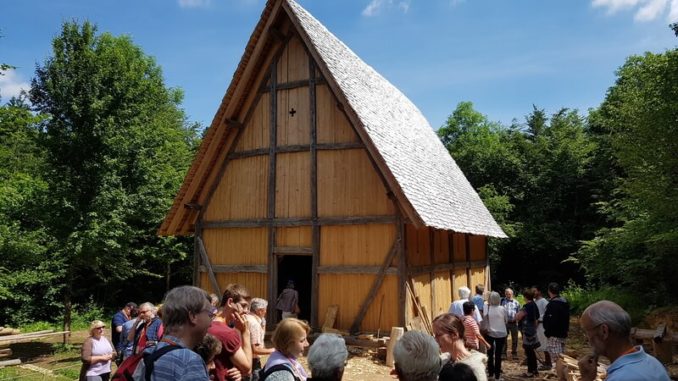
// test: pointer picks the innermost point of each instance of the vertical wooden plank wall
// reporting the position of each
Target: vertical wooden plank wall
(439, 263)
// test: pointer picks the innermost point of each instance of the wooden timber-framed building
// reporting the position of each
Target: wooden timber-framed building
(316, 168)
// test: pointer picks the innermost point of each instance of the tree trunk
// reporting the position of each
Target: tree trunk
(167, 276)
(67, 309)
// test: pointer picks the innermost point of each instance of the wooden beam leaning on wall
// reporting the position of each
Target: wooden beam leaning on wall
(376, 285)
(208, 265)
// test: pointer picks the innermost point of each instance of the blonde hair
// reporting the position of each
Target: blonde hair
(288, 331)
(94, 325)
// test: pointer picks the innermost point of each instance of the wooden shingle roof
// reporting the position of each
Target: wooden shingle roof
(430, 187)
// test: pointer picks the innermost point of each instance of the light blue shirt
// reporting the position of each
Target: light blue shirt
(637, 366)
(479, 302)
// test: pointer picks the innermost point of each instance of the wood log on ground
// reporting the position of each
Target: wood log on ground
(5, 331)
(10, 362)
(353, 341)
(396, 334)
(34, 368)
(28, 337)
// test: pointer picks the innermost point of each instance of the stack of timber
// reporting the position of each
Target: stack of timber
(567, 369)
(662, 341)
(24, 337)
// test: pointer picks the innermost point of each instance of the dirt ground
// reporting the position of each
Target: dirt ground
(62, 362)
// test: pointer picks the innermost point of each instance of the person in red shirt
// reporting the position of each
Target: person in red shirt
(231, 328)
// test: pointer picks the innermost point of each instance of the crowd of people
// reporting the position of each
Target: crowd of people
(196, 336)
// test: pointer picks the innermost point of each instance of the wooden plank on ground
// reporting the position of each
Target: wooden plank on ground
(26, 338)
(396, 334)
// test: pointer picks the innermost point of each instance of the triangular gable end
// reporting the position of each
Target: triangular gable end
(229, 138)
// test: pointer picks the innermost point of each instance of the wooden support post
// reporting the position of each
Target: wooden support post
(272, 259)
(467, 244)
(206, 262)
(315, 243)
(432, 275)
(396, 334)
(196, 254)
(376, 285)
(402, 269)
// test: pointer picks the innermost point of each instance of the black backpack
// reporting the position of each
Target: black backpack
(263, 375)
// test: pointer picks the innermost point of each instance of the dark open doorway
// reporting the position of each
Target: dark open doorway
(297, 268)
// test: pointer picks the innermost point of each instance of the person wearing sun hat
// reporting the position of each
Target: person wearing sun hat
(96, 354)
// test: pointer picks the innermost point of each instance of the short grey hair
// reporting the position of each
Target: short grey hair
(495, 298)
(150, 306)
(258, 304)
(182, 301)
(417, 357)
(327, 355)
(464, 292)
(612, 315)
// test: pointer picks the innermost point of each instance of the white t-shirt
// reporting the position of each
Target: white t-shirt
(541, 305)
(498, 319)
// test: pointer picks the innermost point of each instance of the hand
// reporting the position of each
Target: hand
(233, 374)
(240, 322)
(588, 366)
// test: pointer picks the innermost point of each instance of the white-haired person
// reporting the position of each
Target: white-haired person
(96, 354)
(327, 358)
(608, 330)
(448, 331)
(457, 307)
(512, 306)
(495, 315)
(256, 320)
(416, 357)
(290, 341)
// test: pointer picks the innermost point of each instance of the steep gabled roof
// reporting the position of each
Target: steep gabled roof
(430, 187)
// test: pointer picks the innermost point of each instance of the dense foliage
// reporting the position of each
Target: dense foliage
(90, 178)
(591, 199)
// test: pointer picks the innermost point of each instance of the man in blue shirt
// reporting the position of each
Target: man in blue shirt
(186, 316)
(478, 299)
(608, 330)
(119, 319)
(512, 307)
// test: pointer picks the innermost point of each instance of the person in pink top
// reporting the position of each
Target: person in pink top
(96, 354)
(472, 334)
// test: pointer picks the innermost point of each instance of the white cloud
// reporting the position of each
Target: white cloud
(648, 10)
(375, 6)
(11, 84)
(651, 10)
(673, 14)
(194, 3)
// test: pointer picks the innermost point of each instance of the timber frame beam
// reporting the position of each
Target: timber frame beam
(300, 221)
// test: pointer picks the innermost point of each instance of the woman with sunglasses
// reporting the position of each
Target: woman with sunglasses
(96, 354)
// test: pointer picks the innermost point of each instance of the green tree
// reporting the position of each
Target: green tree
(534, 179)
(26, 268)
(117, 146)
(637, 121)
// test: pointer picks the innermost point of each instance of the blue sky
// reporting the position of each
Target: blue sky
(504, 56)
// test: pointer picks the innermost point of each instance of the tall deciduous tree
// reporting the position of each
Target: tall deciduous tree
(639, 123)
(117, 145)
